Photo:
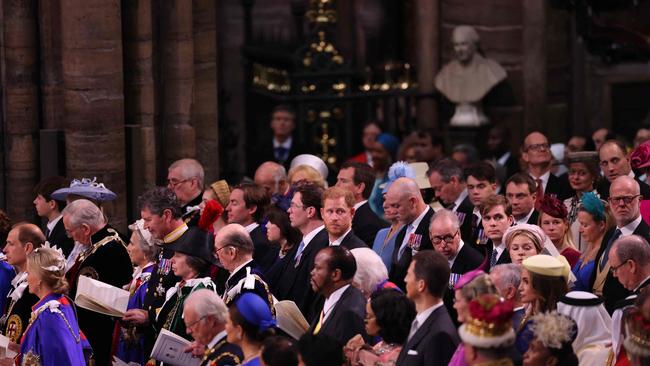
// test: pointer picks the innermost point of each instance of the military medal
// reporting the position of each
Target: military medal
(414, 241)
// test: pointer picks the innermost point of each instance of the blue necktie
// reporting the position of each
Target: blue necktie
(281, 153)
(493, 258)
(605, 257)
(301, 247)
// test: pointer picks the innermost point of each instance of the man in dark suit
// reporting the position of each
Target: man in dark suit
(404, 196)
(444, 232)
(536, 153)
(498, 150)
(506, 278)
(344, 308)
(624, 203)
(448, 184)
(521, 192)
(615, 163)
(50, 209)
(337, 212)
(282, 147)
(497, 218)
(234, 249)
(630, 256)
(246, 208)
(359, 178)
(481, 183)
(185, 177)
(305, 215)
(433, 337)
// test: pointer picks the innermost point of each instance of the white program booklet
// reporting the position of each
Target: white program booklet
(290, 319)
(5, 352)
(170, 348)
(101, 297)
(118, 362)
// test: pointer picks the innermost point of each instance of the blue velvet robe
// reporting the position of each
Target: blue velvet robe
(53, 337)
(131, 340)
(7, 273)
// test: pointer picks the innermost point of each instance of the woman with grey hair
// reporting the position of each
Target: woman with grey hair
(142, 252)
(371, 273)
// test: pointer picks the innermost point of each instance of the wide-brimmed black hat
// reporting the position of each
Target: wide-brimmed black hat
(195, 242)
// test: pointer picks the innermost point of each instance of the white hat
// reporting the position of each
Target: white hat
(312, 161)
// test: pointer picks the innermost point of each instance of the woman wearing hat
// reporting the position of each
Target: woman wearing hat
(583, 174)
(142, 252)
(249, 323)
(468, 287)
(553, 220)
(523, 241)
(594, 219)
(553, 336)
(190, 264)
(213, 201)
(543, 282)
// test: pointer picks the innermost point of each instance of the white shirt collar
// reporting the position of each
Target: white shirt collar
(422, 316)
(641, 283)
(286, 144)
(50, 225)
(631, 174)
(504, 158)
(525, 219)
(369, 158)
(477, 212)
(217, 339)
(544, 178)
(251, 227)
(338, 241)
(310, 235)
(238, 268)
(629, 228)
(359, 204)
(460, 246)
(331, 301)
(420, 217)
(459, 200)
(500, 248)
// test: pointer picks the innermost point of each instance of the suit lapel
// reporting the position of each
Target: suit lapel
(423, 330)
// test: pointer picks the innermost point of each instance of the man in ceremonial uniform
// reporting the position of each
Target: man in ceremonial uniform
(104, 258)
(185, 178)
(21, 240)
(161, 212)
(234, 249)
(205, 316)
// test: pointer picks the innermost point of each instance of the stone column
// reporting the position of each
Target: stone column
(534, 64)
(427, 41)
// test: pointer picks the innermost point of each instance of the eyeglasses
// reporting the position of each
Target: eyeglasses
(537, 147)
(188, 326)
(294, 206)
(613, 269)
(446, 238)
(218, 249)
(625, 199)
(69, 232)
(174, 182)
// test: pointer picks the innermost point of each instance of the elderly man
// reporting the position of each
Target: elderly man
(234, 249)
(506, 278)
(624, 200)
(337, 213)
(444, 232)
(404, 196)
(205, 316)
(21, 241)
(342, 313)
(246, 208)
(536, 153)
(185, 178)
(359, 178)
(448, 184)
(433, 337)
(105, 259)
(273, 177)
(614, 162)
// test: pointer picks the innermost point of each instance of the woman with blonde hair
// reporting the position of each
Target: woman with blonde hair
(306, 173)
(553, 220)
(523, 241)
(53, 336)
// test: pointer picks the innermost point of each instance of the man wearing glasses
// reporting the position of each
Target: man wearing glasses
(624, 201)
(614, 163)
(185, 178)
(536, 153)
(444, 232)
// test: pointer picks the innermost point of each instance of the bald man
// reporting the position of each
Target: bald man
(536, 153)
(272, 176)
(404, 196)
(615, 162)
(624, 201)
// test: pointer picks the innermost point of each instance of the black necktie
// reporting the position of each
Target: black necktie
(281, 153)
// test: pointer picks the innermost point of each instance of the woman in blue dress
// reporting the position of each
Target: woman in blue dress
(142, 252)
(249, 323)
(53, 336)
(594, 223)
